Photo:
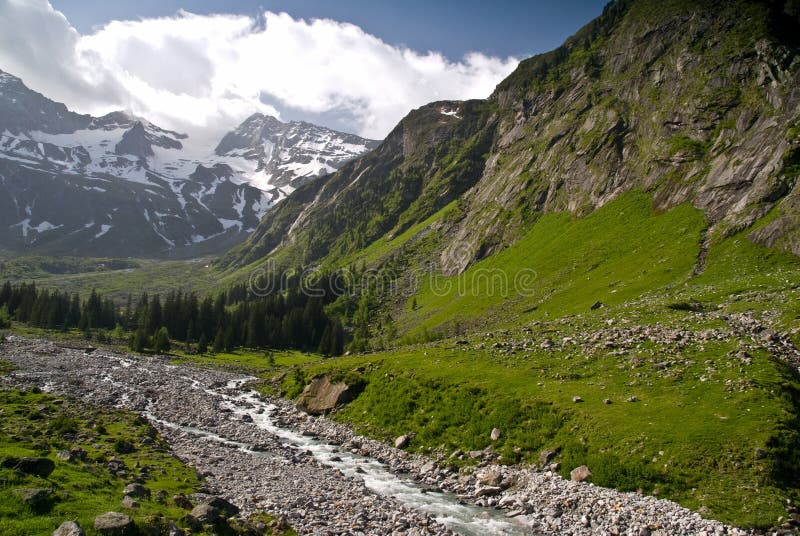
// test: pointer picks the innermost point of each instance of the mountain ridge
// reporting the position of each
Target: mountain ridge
(168, 197)
(681, 100)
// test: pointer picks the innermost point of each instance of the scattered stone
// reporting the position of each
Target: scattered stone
(34, 497)
(69, 528)
(577, 399)
(632, 399)
(129, 502)
(606, 401)
(30, 466)
(597, 305)
(181, 501)
(580, 474)
(546, 455)
(114, 524)
(136, 490)
(402, 441)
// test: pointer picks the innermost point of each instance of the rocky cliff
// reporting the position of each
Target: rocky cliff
(687, 101)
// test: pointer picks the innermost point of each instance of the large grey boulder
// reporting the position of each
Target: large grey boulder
(321, 395)
(69, 528)
(114, 524)
(30, 466)
(580, 474)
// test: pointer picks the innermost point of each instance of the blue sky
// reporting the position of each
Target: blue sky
(499, 28)
(202, 67)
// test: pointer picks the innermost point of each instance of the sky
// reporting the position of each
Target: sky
(202, 66)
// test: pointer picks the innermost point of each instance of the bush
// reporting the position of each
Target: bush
(5, 318)
(161, 342)
(63, 424)
(139, 341)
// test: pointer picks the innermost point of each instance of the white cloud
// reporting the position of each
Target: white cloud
(207, 72)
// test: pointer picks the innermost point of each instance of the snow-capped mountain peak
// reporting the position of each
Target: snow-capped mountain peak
(120, 185)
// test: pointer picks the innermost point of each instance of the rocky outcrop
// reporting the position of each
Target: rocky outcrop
(321, 395)
(691, 102)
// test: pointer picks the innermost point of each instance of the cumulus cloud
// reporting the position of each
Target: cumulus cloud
(205, 73)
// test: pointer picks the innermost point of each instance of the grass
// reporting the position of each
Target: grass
(152, 276)
(39, 424)
(389, 243)
(691, 436)
(257, 362)
(708, 430)
(563, 266)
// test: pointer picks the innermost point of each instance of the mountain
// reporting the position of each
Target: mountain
(289, 154)
(596, 267)
(119, 185)
(694, 102)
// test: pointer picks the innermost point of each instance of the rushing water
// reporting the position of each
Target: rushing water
(444, 507)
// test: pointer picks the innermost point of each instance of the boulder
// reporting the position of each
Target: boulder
(114, 523)
(488, 491)
(495, 435)
(129, 502)
(69, 528)
(491, 478)
(30, 466)
(321, 395)
(223, 506)
(402, 441)
(34, 497)
(136, 490)
(204, 513)
(181, 501)
(580, 474)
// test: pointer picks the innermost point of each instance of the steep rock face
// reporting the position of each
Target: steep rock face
(134, 142)
(689, 101)
(432, 157)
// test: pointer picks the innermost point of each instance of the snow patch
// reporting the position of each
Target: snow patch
(104, 228)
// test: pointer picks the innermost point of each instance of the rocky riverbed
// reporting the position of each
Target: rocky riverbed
(264, 455)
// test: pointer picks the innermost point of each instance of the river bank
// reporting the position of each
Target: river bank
(264, 455)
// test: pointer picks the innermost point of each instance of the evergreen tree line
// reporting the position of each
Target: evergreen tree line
(291, 319)
(52, 309)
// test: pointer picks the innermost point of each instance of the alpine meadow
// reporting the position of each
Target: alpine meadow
(569, 307)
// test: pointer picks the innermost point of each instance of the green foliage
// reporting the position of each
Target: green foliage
(63, 424)
(139, 341)
(202, 345)
(5, 318)
(161, 343)
(612, 255)
(688, 147)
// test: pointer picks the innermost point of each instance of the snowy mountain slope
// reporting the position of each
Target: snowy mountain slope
(119, 185)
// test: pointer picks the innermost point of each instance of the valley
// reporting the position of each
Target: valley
(570, 307)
